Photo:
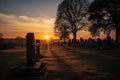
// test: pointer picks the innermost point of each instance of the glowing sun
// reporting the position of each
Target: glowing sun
(47, 37)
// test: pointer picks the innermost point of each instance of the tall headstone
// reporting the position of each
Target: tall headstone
(33, 68)
(30, 49)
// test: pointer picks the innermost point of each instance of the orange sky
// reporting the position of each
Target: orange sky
(17, 17)
(41, 35)
(38, 35)
(85, 34)
(12, 26)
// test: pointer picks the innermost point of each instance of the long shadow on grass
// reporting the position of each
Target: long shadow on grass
(66, 72)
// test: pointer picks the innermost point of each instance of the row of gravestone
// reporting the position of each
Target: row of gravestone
(90, 43)
(33, 66)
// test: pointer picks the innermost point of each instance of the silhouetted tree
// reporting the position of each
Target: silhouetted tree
(94, 30)
(105, 14)
(72, 13)
(65, 33)
(61, 31)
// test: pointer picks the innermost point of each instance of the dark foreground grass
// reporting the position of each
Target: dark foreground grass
(66, 63)
(9, 60)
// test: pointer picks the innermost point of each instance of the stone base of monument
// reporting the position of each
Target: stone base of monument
(39, 69)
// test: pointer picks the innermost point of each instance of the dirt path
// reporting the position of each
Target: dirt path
(68, 64)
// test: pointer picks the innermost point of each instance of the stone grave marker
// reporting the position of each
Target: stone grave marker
(33, 67)
(30, 49)
(38, 54)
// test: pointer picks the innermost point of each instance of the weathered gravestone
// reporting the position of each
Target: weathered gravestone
(30, 49)
(33, 67)
(38, 54)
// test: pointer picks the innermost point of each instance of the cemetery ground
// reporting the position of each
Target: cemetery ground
(65, 63)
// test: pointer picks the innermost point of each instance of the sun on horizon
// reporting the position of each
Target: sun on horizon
(47, 37)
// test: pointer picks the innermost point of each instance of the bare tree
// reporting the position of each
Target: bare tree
(72, 13)
(62, 31)
(106, 15)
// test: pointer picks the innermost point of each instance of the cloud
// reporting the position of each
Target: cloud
(25, 23)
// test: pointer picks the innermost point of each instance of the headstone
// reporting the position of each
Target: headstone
(38, 54)
(30, 49)
(99, 42)
(108, 40)
(69, 42)
(34, 67)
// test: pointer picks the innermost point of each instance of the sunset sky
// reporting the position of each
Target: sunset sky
(17, 17)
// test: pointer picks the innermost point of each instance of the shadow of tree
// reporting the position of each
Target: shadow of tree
(65, 73)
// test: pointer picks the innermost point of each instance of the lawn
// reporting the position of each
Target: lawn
(65, 59)
(9, 60)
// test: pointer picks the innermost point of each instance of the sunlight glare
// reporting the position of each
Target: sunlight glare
(47, 37)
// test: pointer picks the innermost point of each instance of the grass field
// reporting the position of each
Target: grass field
(10, 59)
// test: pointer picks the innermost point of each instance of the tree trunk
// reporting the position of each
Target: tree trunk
(74, 36)
(116, 20)
(117, 26)
(117, 33)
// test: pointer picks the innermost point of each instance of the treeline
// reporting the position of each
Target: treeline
(12, 42)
